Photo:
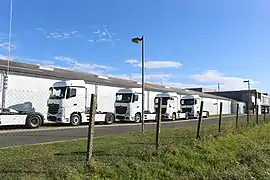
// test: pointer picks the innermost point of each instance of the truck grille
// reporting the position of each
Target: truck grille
(53, 108)
(184, 110)
(120, 110)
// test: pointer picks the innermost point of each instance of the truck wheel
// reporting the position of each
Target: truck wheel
(137, 117)
(186, 116)
(207, 114)
(173, 116)
(109, 118)
(75, 119)
(33, 121)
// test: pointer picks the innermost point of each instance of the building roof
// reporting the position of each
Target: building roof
(25, 69)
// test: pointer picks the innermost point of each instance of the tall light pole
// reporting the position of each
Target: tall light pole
(5, 75)
(247, 81)
(138, 40)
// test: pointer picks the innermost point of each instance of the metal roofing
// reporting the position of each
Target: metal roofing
(19, 68)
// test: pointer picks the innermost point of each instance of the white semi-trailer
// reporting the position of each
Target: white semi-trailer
(68, 103)
(128, 105)
(12, 117)
(191, 104)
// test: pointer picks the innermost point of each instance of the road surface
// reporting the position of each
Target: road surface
(51, 134)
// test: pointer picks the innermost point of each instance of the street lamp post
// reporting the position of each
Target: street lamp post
(248, 82)
(138, 40)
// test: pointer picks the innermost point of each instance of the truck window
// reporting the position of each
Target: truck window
(123, 97)
(188, 102)
(57, 92)
(164, 100)
(136, 98)
(71, 92)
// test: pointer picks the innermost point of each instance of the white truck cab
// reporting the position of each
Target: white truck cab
(67, 103)
(191, 104)
(171, 108)
(127, 106)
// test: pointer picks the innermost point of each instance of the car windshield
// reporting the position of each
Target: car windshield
(123, 98)
(187, 102)
(57, 92)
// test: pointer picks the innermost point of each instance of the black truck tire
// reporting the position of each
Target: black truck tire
(33, 121)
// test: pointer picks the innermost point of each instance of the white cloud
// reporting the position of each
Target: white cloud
(58, 35)
(132, 61)
(78, 65)
(227, 82)
(4, 42)
(160, 76)
(3, 57)
(104, 36)
(155, 64)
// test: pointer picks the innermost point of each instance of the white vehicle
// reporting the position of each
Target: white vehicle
(191, 104)
(171, 109)
(128, 105)
(11, 117)
(68, 104)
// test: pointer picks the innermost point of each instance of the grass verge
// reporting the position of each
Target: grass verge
(242, 154)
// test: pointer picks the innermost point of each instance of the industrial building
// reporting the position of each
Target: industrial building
(28, 84)
(252, 96)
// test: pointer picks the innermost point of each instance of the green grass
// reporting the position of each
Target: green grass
(242, 154)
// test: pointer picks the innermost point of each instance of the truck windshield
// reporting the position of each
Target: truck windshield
(187, 101)
(57, 92)
(164, 100)
(123, 98)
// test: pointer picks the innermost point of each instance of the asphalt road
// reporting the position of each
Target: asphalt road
(46, 135)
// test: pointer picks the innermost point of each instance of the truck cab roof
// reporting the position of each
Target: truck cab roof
(130, 90)
(167, 94)
(191, 96)
(77, 83)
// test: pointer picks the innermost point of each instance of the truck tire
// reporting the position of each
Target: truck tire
(186, 116)
(137, 118)
(33, 121)
(173, 116)
(207, 114)
(109, 118)
(75, 119)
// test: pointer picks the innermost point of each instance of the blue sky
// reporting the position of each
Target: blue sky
(187, 43)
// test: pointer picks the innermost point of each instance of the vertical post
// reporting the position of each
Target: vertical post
(220, 115)
(96, 93)
(257, 114)
(249, 103)
(91, 127)
(264, 112)
(158, 118)
(142, 39)
(4, 88)
(200, 120)
(237, 115)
